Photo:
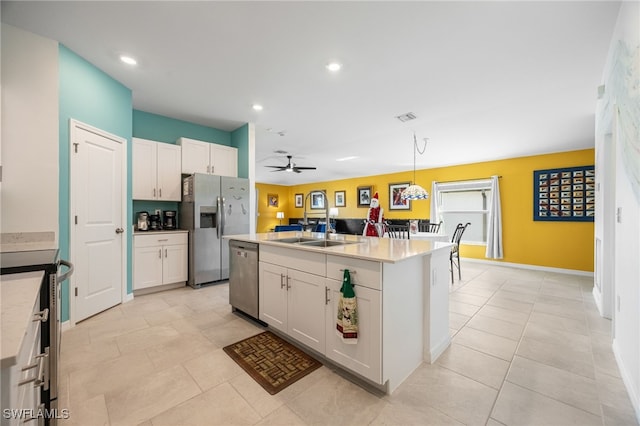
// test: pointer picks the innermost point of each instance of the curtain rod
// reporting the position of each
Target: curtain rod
(465, 180)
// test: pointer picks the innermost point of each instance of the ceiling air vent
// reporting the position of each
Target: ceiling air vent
(406, 117)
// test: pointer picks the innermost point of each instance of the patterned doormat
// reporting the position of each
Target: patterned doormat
(271, 361)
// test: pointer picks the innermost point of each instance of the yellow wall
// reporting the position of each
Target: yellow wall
(567, 245)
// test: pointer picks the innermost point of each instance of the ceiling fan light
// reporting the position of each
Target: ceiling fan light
(414, 192)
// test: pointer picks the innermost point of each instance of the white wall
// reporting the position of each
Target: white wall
(29, 146)
(619, 110)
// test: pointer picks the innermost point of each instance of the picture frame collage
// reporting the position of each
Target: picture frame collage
(564, 195)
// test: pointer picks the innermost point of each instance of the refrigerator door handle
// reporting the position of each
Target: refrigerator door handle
(223, 219)
(218, 217)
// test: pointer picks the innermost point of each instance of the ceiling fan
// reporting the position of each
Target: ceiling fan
(290, 167)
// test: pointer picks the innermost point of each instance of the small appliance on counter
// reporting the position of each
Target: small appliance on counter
(143, 221)
(154, 222)
(169, 219)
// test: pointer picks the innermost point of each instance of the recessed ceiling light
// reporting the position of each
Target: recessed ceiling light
(334, 66)
(257, 107)
(346, 158)
(128, 60)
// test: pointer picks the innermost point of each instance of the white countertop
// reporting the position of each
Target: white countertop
(164, 231)
(27, 241)
(386, 250)
(19, 293)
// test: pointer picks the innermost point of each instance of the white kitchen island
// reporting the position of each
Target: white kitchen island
(402, 291)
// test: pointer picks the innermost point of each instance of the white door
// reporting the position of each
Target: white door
(98, 237)
(306, 305)
(147, 267)
(174, 264)
(273, 295)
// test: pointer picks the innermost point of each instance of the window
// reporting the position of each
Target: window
(462, 202)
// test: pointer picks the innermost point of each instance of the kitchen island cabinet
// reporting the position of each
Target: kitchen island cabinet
(402, 290)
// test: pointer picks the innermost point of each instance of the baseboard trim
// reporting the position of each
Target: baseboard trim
(66, 325)
(530, 267)
(626, 379)
(128, 298)
(435, 353)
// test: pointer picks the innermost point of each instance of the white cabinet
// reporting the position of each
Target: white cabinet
(156, 170)
(22, 381)
(159, 259)
(208, 158)
(365, 357)
(292, 300)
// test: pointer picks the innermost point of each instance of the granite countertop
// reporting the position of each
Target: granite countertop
(19, 293)
(387, 250)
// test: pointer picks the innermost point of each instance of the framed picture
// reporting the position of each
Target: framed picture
(395, 197)
(299, 200)
(340, 199)
(272, 200)
(564, 195)
(364, 196)
(317, 200)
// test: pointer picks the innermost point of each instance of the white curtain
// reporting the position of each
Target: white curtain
(494, 236)
(434, 216)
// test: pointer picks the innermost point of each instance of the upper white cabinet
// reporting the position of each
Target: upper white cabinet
(156, 170)
(208, 158)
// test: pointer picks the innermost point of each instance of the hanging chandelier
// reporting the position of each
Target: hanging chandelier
(415, 191)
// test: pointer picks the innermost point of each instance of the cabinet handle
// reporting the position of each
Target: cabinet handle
(288, 285)
(159, 253)
(281, 281)
(154, 193)
(160, 193)
(208, 169)
(38, 379)
(326, 295)
(41, 316)
(165, 252)
(351, 271)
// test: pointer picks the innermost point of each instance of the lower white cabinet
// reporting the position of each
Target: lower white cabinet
(159, 259)
(292, 301)
(21, 382)
(304, 305)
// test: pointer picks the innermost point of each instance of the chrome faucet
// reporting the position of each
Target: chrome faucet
(326, 208)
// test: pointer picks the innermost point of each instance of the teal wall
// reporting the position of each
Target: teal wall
(240, 140)
(164, 129)
(89, 95)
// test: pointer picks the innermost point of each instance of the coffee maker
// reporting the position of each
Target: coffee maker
(143, 221)
(154, 222)
(169, 219)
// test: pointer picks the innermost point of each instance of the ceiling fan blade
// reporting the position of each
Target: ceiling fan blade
(278, 167)
(305, 168)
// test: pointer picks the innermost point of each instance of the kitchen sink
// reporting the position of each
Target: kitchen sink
(295, 240)
(326, 243)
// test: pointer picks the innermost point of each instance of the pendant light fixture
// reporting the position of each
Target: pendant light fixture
(415, 191)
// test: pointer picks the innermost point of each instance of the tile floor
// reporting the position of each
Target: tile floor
(529, 348)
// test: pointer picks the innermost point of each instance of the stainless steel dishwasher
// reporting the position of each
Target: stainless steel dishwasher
(243, 277)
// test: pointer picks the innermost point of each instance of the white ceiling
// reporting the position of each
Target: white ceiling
(487, 80)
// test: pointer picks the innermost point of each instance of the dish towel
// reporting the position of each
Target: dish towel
(347, 322)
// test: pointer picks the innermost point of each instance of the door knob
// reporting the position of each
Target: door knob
(119, 230)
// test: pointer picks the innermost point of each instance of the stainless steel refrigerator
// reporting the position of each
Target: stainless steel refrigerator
(212, 206)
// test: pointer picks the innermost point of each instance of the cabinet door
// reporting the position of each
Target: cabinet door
(169, 172)
(224, 160)
(144, 169)
(195, 156)
(147, 267)
(273, 295)
(174, 264)
(365, 357)
(306, 309)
